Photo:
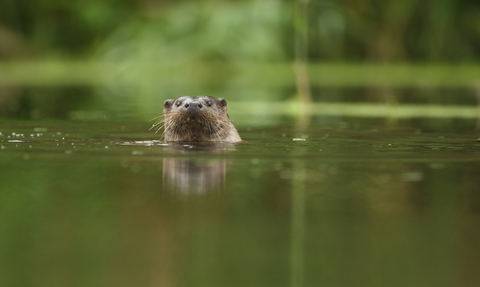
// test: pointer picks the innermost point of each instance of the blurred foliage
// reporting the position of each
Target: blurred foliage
(186, 45)
(132, 55)
(394, 30)
(59, 28)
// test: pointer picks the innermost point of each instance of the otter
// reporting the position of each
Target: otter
(198, 119)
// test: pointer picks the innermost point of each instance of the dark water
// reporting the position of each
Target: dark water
(336, 203)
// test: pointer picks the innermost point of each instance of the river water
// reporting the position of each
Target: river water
(351, 202)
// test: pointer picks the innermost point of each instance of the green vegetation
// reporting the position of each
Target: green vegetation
(361, 30)
(131, 55)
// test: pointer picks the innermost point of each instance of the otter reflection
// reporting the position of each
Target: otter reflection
(195, 174)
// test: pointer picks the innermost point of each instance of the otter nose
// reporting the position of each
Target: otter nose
(193, 106)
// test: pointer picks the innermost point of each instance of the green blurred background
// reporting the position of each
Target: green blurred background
(91, 59)
(354, 202)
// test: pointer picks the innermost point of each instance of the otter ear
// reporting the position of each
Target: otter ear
(222, 102)
(168, 104)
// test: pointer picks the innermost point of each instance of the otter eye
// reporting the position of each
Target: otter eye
(179, 104)
(209, 103)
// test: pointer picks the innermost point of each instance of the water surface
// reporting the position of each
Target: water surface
(336, 202)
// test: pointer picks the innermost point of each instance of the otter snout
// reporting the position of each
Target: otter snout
(193, 106)
(197, 119)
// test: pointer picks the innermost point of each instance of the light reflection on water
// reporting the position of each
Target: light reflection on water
(350, 206)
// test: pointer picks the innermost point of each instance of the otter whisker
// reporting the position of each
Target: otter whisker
(159, 116)
(155, 126)
(157, 130)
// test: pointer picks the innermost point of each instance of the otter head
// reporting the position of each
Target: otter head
(201, 118)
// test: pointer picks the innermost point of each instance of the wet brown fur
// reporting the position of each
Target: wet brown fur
(207, 123)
